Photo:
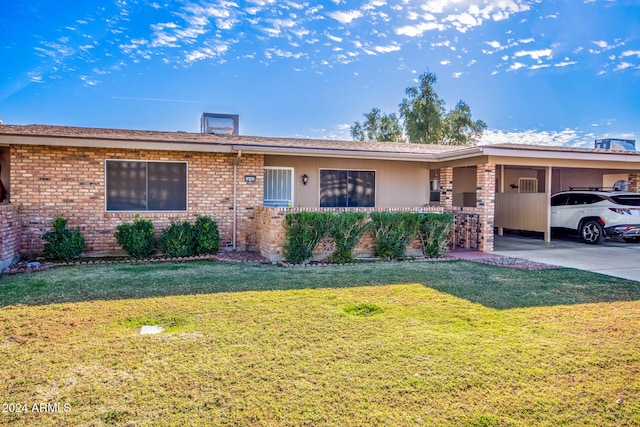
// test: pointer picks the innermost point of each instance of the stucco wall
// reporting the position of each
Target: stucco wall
(398, 184)
(49, 181)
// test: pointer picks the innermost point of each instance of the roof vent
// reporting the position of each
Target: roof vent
(220, 124)
(616, 144)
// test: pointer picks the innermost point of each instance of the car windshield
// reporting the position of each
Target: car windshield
(627, 199)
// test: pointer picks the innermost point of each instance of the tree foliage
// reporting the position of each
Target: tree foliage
(378, 127)
(426, 119)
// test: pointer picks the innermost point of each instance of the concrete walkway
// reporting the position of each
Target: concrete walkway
(613, 257)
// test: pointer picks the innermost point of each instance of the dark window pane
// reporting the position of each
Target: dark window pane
(142, 186)
(559, 200)
(126, 186)
(361, 189)
(333, 188)
(167, 186)
(340, 188)
(629, 200)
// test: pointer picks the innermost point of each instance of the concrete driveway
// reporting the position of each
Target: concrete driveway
(613, 257)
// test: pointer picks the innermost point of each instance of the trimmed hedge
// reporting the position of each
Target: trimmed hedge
(180, 239)
(137, 239)
(392, 233)
(61, 243)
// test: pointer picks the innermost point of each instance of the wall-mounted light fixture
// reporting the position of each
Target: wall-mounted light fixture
(305, 179)
(250, 179)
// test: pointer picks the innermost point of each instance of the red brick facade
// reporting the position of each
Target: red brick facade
(9, 234)
(48, 181)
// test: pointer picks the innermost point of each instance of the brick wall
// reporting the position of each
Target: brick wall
(270, 233)
(68, 181)
(9, 235)
(634, 182)
(486, 204)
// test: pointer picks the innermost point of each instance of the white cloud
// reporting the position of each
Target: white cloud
(566, 138)
(534, 54)
(345, 17)
(387, 49)
(418, 29)
(631, 53)
(516, 66)
(623, 66)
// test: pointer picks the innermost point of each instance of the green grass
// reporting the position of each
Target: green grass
(399, 344)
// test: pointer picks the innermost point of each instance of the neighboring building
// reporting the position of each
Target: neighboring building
(98, 178)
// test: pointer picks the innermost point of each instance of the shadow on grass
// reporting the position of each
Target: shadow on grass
(491, 286)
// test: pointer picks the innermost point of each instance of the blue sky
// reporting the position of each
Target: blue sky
(545, 72)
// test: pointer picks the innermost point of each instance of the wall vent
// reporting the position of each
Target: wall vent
(527, 185)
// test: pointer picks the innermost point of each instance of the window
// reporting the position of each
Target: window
(584, 199)
(146, 186)
(278, 187)
(346, 188)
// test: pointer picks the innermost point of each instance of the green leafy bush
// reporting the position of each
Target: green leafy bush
(393, 231)
(303, 232)
(347, 229)
(137, 239)
(177, 240)
(433, 230)
(207, 236)
(61, 243)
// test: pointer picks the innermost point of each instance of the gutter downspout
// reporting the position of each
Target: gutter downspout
(235, 197)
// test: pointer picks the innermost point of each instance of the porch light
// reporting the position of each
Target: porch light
(305, 179)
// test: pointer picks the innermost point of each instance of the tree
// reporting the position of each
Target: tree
(423, 111)
(378, 127)
(427, 122)
(460, 128)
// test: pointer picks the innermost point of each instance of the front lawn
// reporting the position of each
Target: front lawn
(398, 344)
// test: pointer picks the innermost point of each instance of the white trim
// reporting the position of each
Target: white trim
(293, 181)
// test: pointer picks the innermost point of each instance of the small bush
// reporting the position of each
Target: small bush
(206, 235)
(433, 230)
(393, 233)
(303, 232)
(177, 240)
(137, 239)
(347, 229)
(61, 243)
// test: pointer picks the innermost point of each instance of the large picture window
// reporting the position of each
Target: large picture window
(146, 186)
(347, 188)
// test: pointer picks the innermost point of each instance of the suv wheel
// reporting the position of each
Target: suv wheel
(592, 232)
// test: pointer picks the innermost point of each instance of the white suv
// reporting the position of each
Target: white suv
(597, 214)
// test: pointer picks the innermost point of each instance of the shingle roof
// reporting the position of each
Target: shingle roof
(293, 146)
(230, 140)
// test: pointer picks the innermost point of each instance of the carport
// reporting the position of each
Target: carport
(527, 176)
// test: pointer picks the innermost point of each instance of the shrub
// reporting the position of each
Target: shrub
(177, 240)
(347, 228)
(137, 239)
(303, 232)
(393, 232)
(62, 243)
(433, 230)
(207, 236)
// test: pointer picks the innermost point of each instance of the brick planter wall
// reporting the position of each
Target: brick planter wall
(270, 233)
(48, 181)
(9, 235)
